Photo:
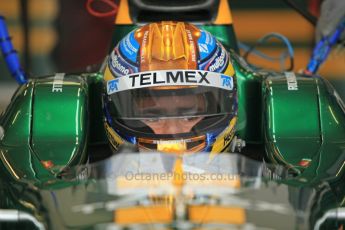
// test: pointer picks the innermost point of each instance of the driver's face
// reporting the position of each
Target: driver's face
(162, 106)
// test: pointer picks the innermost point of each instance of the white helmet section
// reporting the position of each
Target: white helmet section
(170, 78)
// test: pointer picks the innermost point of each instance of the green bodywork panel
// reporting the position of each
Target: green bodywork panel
(59, 124)
(293, 120)
(43, 125)
(305, 124)
(249, 125)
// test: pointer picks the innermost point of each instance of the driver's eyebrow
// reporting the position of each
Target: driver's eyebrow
(162, 111)
(187, 110)
(152, 111)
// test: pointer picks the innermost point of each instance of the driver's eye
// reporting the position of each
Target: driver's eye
(190, 118)
(152, 120)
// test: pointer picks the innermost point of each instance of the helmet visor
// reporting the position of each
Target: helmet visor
(207, 95)
(184, 102)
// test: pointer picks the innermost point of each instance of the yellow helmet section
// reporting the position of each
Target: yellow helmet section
(107, 74)
(224, 139)
(115, 139)
(230, 71)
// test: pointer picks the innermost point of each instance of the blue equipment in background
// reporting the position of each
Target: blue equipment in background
(10, 55)
(322, 49)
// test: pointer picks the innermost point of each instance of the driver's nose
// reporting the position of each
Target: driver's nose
(173, 126)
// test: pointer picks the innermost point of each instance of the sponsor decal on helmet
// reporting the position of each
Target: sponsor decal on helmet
(224, 138)
(129, 47)
(112, 85)
(191, 45)
(227, 81)
(218, 62)
(119, 66)
(170, 78)
(172, 146)
(207, 44)
(228, 137)
(144, 44)
(115, 140)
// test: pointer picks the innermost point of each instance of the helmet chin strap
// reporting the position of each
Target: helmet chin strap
(237, 144)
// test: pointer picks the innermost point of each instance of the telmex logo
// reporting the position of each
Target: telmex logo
(170, 78)
(151, 78)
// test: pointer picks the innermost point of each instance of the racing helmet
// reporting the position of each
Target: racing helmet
(170, 87)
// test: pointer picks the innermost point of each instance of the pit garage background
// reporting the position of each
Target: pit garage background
(61, 36)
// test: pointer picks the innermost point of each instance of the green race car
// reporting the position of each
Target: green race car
(65, 165)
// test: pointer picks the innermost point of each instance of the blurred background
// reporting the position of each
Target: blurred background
(61, 36)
